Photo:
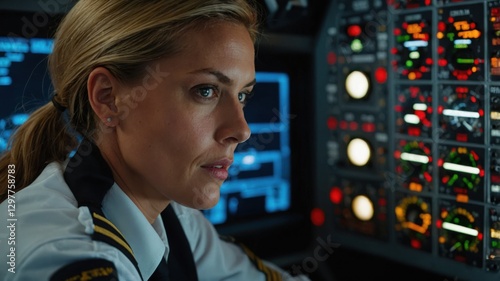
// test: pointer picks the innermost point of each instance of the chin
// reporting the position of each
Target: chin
(205, 198)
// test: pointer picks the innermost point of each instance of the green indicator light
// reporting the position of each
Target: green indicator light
(453, 179)
(450, 36)
(403, 38)
(466, 245)
(409, 63)
(494, 244)
(456, 220)
(475, 178)
(465, 61)
(468, 183)
(471, 157)
(356, 45)
(461, 46)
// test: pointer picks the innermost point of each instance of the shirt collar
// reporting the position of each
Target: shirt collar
(91, 181)
(148, 242)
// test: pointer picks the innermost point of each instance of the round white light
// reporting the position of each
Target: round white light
(357, 84)
(362, 208)
(358, 152)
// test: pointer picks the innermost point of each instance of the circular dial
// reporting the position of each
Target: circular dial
(414, 111)
(414, 219)
(415, 165)
(463, 60)
(461, 172)
(413, 57)
(460, 236)
(461, 48)
(461, 114)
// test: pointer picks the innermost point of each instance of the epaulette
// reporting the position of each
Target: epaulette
(87, 269)
(271, 274)
(89, 179)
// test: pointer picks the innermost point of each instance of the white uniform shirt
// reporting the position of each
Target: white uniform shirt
(48, 231)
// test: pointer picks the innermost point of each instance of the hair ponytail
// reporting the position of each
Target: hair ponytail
(44, 138)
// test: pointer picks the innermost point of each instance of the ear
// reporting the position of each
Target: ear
(102, 89)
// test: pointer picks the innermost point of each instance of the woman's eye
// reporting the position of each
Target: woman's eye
(244, 97)
(206, 92)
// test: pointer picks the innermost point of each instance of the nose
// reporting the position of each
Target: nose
(233, 125)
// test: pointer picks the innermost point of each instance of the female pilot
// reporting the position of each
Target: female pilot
(150, 94)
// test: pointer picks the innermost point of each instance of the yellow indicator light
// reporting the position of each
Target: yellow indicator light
(470, 34)
(412, 76)
(495, 115)
(495, 233)
(415, 187)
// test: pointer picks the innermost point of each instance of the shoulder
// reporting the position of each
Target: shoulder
(47, 189)
(49, 232)
(43, 211)
(67, 257)
(87, 269)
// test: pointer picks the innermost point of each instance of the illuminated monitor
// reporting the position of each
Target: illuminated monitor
(24, 83)
(259, 179)
(25, 42)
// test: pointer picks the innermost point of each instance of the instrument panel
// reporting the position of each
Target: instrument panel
(408, 132)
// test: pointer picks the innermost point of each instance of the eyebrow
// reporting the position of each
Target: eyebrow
(222, 77)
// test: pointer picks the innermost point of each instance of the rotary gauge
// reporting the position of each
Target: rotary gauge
(461, 172)
(461, 114)
(414, 111)
(415, 165)
(413, 55)
(413, 222)
(460, 236)
(461, 45)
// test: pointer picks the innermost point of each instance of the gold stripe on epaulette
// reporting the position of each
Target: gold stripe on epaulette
(113, 236)
(271, 274)
(97, 216)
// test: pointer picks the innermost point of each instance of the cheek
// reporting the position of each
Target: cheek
(183, 133)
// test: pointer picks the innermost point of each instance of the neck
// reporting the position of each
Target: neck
(147, 199)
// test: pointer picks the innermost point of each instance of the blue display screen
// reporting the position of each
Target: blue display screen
(24, 81)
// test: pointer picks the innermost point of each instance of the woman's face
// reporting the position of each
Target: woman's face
(180, 126)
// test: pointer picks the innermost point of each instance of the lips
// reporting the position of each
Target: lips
(218, 169)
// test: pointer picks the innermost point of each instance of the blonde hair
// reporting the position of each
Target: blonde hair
(121, 35)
